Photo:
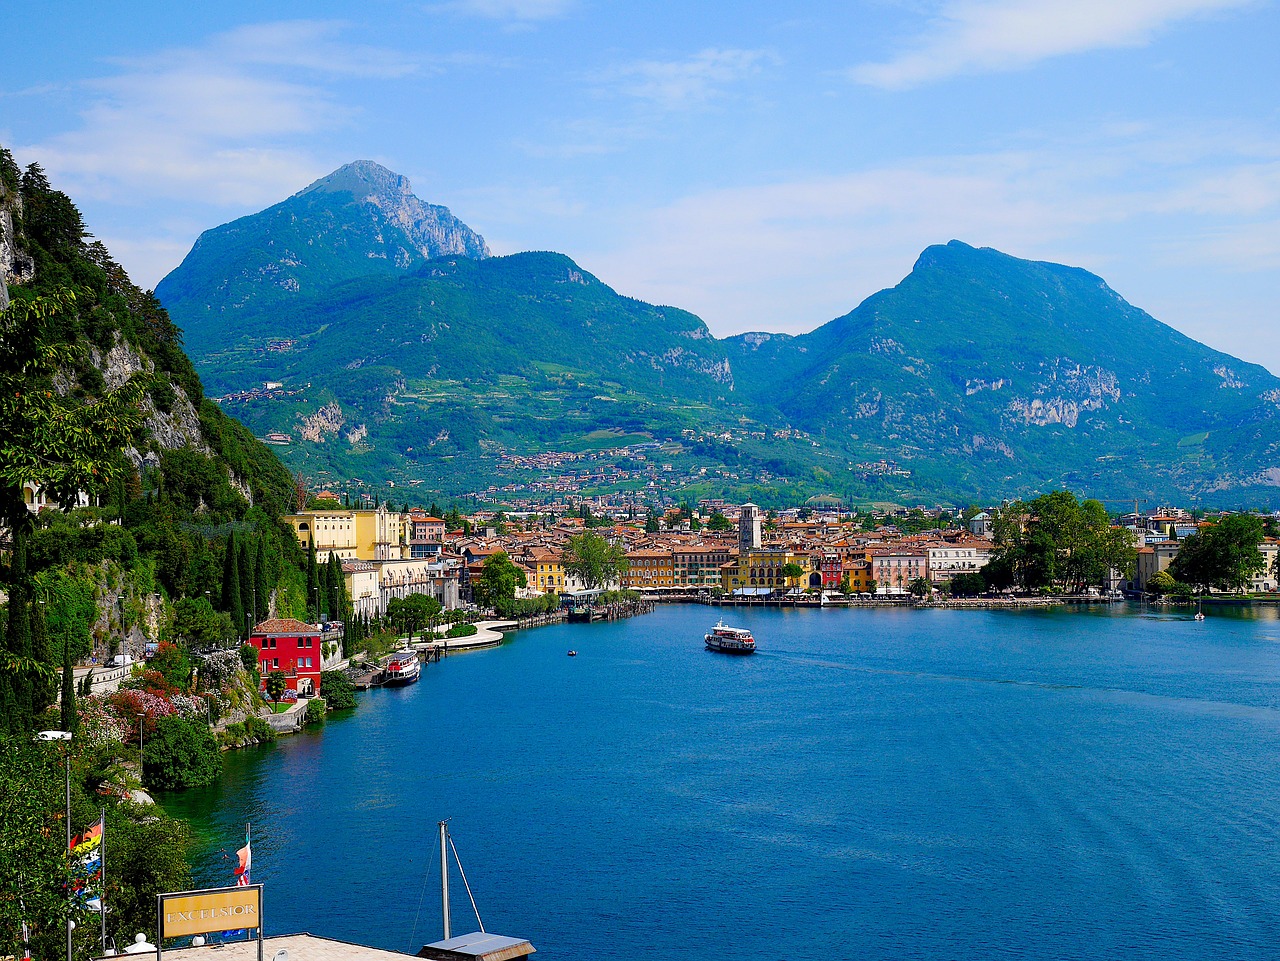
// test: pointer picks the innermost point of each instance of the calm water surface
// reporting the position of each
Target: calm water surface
(871, 784)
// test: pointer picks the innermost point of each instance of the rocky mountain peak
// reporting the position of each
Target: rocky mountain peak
(434, 230)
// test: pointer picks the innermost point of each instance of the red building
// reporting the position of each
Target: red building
(293, 648)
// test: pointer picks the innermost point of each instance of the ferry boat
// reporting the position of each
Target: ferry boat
(731, 640)
(403, 668)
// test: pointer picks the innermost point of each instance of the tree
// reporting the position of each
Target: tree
(651, 523)
(410, 613)
(313, 584)
(276, 685)
(231, 594)
(498, 580)
(593, 560)
(198, 625)
(1057, 542)
(181, 753)
(261, 583)
(1161, 582)
(52, 439)
(791, 570)
(718, 522)
(248, 602)
(920, 588)
(1224, 556)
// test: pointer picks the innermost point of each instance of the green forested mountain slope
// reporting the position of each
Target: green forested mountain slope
(361, 220)
(1010, 374)
(980, 375)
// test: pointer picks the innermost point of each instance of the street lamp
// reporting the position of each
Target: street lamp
(64, 736)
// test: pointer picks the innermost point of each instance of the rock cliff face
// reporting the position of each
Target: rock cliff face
(434, 231)
(16, 266)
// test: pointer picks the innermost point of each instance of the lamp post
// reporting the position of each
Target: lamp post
(65, 736)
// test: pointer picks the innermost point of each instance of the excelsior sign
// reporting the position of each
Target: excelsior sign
(218, 909)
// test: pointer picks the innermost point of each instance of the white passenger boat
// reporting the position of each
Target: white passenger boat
(403, 668)
(731, 640)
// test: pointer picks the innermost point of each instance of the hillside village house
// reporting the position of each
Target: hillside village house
(293, 648)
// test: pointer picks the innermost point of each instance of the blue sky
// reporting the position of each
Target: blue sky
(764, 165)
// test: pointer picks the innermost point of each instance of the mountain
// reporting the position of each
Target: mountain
(360, 220)
(998, 373)
(979, 376)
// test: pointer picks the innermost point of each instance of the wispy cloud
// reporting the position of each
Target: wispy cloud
(519, 11)
(980, 36)
(787, 256)
(674, 84)
(226, 120)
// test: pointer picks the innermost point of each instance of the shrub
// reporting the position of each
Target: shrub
(315, 712)
(180, 754)
(259, 730)
(339, 693)
(461, 630)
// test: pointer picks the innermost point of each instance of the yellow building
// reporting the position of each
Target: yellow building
(366, 535)
(649, 569)
(762, 569)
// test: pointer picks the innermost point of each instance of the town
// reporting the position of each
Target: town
(711, 550)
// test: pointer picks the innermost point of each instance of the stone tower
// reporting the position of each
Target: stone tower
(749, 529)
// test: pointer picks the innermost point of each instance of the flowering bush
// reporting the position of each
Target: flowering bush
(219, 668)
(195, 708)
(99, 724)
(128, 705)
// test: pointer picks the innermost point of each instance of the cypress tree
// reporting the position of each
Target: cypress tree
(313, 584)
(70, 720)
(260, 580)
(16, 704)
(44, 692)
(231, 597)
(248, 603)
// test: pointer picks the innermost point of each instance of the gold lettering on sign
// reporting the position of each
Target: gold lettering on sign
(206, 911)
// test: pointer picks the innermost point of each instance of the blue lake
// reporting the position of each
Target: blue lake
(871, 784)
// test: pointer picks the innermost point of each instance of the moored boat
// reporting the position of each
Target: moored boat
(731, 640)
(403, 668)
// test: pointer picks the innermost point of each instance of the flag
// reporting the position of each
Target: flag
(246, 861)
(86, 858)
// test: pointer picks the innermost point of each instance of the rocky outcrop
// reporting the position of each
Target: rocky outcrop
(16, 266)
(328, 420)
(434, 231)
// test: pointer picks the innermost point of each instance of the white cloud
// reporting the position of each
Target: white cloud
(979, 36)
(690, 82)
(1138, 210)
(523, 11)
(225, 121)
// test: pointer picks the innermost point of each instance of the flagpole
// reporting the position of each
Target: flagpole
(102, 893)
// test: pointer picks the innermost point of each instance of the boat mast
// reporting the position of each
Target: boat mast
(444, 877)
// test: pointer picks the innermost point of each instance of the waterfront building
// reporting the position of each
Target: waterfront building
(762, 570)
(290, 647)
(949, 558)
(698, 566)
(649, 569)
(894, 568)
(361, 578)
(1151, 559)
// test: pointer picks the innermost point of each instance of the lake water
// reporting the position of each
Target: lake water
(871, 784)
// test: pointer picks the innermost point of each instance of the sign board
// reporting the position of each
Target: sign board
(216, 909)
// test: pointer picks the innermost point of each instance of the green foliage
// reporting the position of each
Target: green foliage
(1161, 583)
(276, 684)
(1056, 542)
(718, 522)
(315, 712)
(338, 691)
(412, 612)
(594, 560)
(180, 754)
(147, 856)
(461, 630)
(498, 580)
(920, 587)
(1224, 556)
(199, 626)
(968, 585)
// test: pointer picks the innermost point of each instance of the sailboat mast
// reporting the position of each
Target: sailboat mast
(444, 878)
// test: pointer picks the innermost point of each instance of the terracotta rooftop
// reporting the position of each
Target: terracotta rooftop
(285, 625)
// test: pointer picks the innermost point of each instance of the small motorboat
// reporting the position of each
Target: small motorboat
(573, 653)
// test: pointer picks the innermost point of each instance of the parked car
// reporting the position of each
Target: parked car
(121, 660)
